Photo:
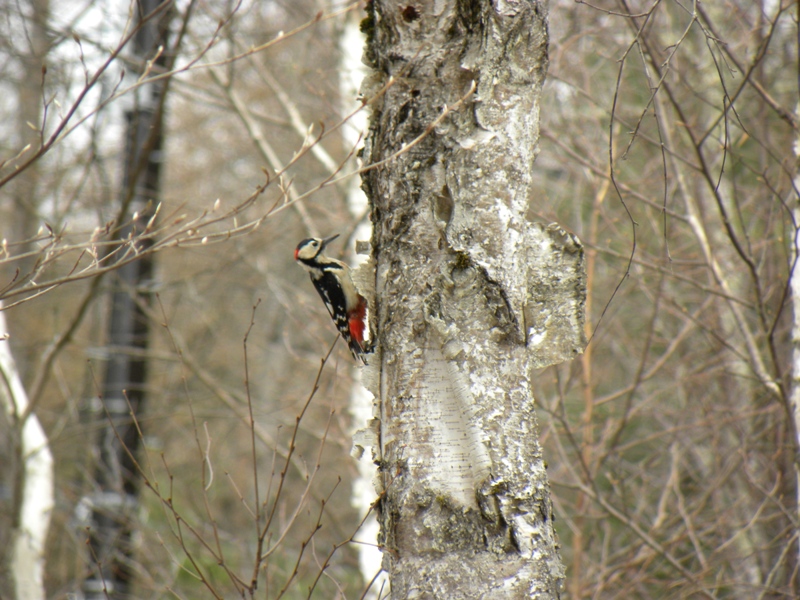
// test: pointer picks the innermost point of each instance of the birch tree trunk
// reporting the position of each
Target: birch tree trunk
(33, 494)
(351, 72)
(32, 462)
(116, 499)
(794, 290)
(470, 296)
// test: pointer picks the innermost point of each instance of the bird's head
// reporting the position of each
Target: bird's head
(310, 248)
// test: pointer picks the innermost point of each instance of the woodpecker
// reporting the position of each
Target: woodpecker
(331, 277)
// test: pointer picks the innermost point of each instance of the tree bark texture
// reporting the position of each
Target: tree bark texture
(469, 297)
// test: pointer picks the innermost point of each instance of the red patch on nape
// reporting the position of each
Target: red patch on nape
(296, 251)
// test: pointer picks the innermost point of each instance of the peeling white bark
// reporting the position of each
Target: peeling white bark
(36, 478)
(470, 296)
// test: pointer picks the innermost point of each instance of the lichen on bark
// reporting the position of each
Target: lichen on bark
(462, 281)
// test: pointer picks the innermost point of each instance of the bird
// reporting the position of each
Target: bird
(333, 282)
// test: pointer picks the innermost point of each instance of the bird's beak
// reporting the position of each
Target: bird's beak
(327, 241)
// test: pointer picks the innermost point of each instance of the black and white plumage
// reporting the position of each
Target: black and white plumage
(331, 278)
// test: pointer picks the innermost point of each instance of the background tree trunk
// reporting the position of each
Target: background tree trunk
(470, 297)
(30, 93)
(351, 74)
(30, 460)
(33, 491)
(115, 500)
(794, 388)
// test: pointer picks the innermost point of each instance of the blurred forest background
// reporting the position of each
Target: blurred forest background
(667, 146)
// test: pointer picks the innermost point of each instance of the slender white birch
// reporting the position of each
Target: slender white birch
(794, 288)
(351, 73)
(27, 561)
